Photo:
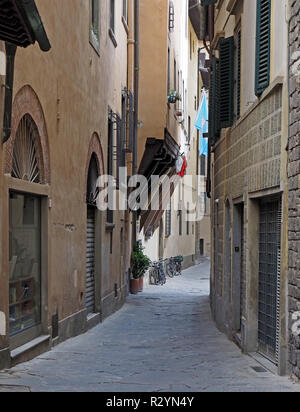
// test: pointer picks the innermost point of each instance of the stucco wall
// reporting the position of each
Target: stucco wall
(74, 85)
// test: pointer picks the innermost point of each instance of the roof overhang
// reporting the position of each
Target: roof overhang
(159, 159)
(21, 24)
(197, 14)
(159, 156)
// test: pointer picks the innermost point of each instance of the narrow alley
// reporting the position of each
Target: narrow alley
(162, 340)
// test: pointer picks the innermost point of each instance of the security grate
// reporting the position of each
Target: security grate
(90, 261)
(269, 279)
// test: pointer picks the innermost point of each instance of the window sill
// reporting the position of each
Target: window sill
(112, 37)
(125, 25)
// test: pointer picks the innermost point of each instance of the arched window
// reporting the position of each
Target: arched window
(93, 174)
(26, 162)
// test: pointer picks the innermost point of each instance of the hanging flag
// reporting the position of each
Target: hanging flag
(202, 125)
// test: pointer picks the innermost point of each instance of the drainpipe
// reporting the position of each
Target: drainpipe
(136, 106)
(9, 85)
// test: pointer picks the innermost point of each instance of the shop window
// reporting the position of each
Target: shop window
(24, 262)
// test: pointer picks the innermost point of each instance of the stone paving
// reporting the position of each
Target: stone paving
(161, 340)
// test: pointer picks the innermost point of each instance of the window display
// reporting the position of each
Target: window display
(24, 262)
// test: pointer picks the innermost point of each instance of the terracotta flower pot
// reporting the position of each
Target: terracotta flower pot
(141, 284)
(134, 286)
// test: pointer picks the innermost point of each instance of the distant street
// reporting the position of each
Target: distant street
(162, 340)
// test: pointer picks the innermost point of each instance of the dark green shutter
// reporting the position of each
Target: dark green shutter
(226, 48)
(208, 2)
(263, 46)
(238, 74)
(214, 112)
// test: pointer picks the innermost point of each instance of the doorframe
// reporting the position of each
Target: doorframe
(237, 265)
(252, 215)
(42, 191)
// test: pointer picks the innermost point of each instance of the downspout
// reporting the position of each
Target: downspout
(9, 86)
(136, 106)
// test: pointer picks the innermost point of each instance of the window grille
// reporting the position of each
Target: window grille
(26, 163)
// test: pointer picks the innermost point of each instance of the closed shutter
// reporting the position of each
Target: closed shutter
(263, 46)
(226, 48)
(269, 280)
(90, 261)
(238, 49)
(208, 2)
(279, 226)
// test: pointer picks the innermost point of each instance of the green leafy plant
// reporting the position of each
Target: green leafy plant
(173, 96)
(140, 263)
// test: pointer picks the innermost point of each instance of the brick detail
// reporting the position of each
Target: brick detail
(247, 159)
(94, 148)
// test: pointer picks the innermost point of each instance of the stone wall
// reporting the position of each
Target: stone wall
(294, 183)
(247, 160)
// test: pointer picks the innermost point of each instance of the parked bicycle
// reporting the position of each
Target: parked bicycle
(157, 274)
(174, 266)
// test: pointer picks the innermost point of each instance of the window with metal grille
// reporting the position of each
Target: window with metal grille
(26, 164)
(263, 46)
(171, 16)
(110, 159)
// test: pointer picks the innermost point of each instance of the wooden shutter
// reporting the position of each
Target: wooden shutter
(208, 2)
(226, 48)
(238, 72)
(263, 46)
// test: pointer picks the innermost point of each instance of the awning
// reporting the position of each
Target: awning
(159, 159)
(159, 156)
(197, 14)
(21, 24)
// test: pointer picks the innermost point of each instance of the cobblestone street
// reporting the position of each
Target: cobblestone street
(161, 340)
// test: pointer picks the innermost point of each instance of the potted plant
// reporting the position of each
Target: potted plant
(173, 96)
(140, 263)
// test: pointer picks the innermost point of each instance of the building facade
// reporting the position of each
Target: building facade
(248, 139)
(175, 55)
(64, 264)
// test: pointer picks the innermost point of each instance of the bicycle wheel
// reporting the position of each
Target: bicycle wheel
(178, 269)
(170, 270)
(157, 276)
(151, 277)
